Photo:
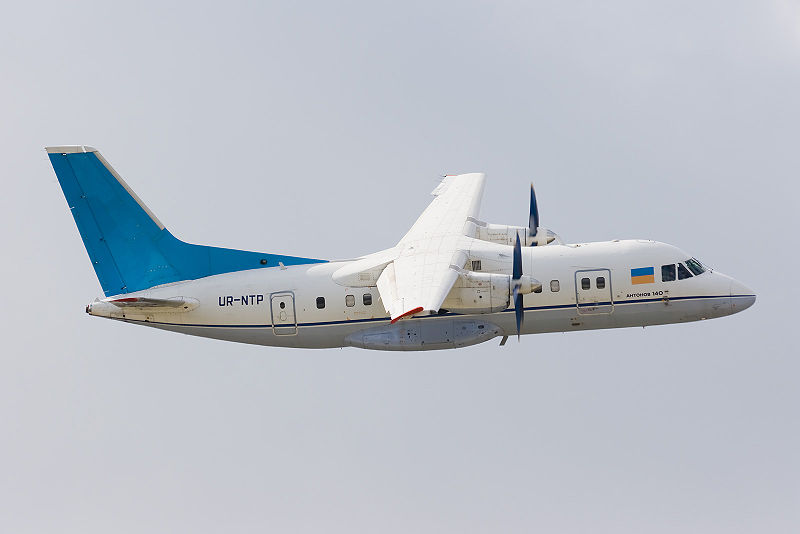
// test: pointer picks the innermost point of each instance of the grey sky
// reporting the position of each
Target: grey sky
(319, 130)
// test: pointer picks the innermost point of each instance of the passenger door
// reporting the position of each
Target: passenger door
(593, 291)
(284, 319)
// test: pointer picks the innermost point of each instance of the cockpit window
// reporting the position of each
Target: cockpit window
(695, 266)
(668, 273)
(683, 272)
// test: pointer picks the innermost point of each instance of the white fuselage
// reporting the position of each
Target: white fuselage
(284, 306)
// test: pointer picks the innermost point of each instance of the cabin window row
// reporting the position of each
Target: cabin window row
(366, 298)
(555, 287)
(349, 300)
(669, 273)
(681, 271)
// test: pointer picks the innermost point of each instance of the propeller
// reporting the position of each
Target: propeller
(533, 217)
(535, 235)
(516, 281)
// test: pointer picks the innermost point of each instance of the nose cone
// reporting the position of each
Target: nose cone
(742, 297)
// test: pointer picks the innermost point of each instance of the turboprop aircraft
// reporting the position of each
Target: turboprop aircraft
(451, 281)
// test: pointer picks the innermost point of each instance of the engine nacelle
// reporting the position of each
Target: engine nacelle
(425, 334)
(485, 292)
(479, 293)
(507, 235)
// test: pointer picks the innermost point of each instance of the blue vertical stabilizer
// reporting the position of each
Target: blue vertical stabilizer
(128, 246)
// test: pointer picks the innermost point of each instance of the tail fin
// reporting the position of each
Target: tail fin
(128, 246)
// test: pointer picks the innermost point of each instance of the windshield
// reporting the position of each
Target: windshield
(695, 266)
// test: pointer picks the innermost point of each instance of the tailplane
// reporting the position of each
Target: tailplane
(130, 249)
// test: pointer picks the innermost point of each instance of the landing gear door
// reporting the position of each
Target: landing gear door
(593, 291)
(284, 318)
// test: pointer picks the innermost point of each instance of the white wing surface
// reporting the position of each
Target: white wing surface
(421, 276)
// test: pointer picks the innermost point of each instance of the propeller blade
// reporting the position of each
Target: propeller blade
(533, 217)
(515, 277)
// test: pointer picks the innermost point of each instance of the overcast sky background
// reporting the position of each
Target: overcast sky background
(320, 130)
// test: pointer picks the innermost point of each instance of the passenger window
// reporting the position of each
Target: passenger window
(367, 299)
(349, 301)
(555, 286)
(585, 283)
(683, 272)
(538, 289)
(695, 266)
(476, 265)
(320, 302)
(668, 273)
(601, 282)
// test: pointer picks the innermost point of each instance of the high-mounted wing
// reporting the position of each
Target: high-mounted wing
(421, 276)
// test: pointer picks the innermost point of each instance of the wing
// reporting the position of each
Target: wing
(457, 198)
(421, 276)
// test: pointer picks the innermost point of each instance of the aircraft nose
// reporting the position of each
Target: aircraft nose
(742, 297)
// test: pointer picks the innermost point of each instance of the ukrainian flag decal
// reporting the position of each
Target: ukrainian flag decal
(642, 275)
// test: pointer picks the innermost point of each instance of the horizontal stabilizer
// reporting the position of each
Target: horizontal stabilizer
(121, 307)
(365, 271)
(174, 303)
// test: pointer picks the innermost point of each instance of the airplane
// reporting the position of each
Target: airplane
(452, 281)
